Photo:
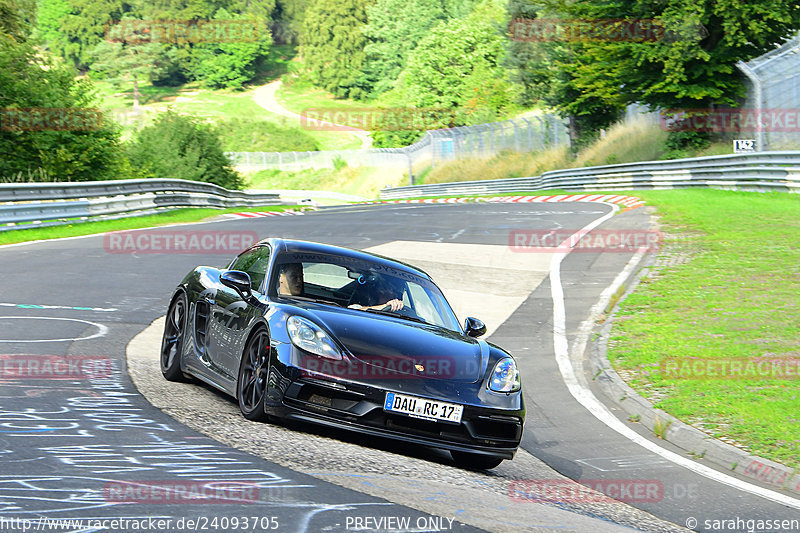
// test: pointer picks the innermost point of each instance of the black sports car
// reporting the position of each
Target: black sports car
(317, 333)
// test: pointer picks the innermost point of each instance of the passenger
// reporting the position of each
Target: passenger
(379, 295)
(291, 279)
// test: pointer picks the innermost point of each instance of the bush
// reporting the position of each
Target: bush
(680, 143)
(255, 135)
(179, 147)
(395, 139)
(74, 143)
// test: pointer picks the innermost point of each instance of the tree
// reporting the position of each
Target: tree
(332, 45)
(180, 147)
(121, 63)
(232, 64)
(545, 69)
(394, 29)
(74, 34)
(458, 66)
(48, 119)
(288, 20)
(16, 18)
(528, 63)
(689, 59)
(49, 28)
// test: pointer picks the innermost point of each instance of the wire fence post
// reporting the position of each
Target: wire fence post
(433, 150)
(756, 81)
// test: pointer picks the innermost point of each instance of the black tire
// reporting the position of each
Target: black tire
(172, 341)
(251, 387)
(475, 461)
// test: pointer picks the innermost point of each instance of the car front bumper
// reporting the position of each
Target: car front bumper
(491, 423)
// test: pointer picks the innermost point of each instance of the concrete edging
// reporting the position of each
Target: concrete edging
(695, 442)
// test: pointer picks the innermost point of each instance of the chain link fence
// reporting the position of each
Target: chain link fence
(530, 134)
(773, 95)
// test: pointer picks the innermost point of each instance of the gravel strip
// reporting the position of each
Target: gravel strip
(418, 477)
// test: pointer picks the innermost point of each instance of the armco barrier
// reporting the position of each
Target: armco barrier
(52, 203)
(774, 171)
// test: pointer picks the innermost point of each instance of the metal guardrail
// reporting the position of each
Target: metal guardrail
(757, 171)
(40, 202)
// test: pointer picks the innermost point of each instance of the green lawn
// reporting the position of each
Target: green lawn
(297, 94)
(272, 132)
(175, 216)
(730, 293)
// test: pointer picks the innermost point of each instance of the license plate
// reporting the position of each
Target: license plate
(422, 407)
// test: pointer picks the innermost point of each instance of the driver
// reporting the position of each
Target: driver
(382, 291)
(290, 281)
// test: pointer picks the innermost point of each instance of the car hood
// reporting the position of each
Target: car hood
(394, 346)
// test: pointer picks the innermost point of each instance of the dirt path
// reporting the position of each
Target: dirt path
(265, 97)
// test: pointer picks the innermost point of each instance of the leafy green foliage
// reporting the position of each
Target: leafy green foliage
(50, 20)
(180, 147)
(394, 29)
(458, 66)
(288, 20)
(82, 28)
(678, 143)
(690, 64)
(332, 45)
(16, 18)
(528, 64)
(253, 135)
(547, 71)
(82, 31)
(395, 139)
(71, 145)
(121, 63)
(232, 64)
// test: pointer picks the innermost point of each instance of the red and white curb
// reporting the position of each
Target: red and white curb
(628, 201)
(260, 214)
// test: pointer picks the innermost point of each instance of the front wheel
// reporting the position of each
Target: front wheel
(251, 387)
(475, 461)
(172, 341)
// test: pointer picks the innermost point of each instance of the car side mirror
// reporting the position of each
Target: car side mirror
(474, 327)
(238, 281)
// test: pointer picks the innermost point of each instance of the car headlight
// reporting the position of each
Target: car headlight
(505, 376)
(309, 337)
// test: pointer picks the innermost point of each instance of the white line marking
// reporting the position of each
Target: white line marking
(101, 329)
(72, 308)
(457, 234)
(579, 388)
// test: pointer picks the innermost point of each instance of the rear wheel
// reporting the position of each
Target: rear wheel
(172, 341)
(251, 388)
(475, 461)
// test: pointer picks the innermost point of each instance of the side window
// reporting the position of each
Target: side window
(254, 262)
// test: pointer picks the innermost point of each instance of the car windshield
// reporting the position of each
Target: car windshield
(361, 285)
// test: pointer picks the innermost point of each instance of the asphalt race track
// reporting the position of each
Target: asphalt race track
(91, 447)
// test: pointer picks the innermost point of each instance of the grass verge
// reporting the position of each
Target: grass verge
(175, 216)
(727, 292)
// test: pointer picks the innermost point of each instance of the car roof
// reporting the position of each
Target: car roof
(294, 246)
